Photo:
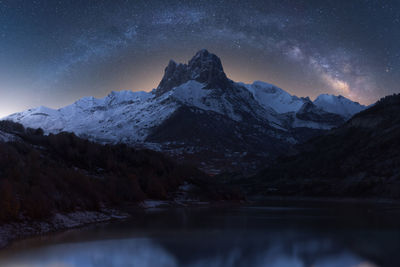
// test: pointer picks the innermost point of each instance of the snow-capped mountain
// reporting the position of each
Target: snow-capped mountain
(269, 95)
(338, 105)
(196, 112)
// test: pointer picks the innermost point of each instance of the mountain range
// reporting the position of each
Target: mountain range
(199, 115)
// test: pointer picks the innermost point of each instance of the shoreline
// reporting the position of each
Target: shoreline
(10, 232)
(14, 231)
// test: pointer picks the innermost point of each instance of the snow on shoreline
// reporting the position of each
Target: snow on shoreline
(13, 231)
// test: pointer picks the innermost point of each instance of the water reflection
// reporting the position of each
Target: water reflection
(147, 252)
(250, 236)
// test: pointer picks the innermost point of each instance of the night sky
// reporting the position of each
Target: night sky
(54, 52)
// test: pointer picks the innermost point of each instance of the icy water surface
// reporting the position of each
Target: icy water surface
(273, 233)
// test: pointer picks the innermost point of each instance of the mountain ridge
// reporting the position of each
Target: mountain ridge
(261, 116)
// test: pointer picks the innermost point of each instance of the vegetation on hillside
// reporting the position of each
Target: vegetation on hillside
(44, 174)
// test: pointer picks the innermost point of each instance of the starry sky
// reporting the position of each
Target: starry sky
(54, 52)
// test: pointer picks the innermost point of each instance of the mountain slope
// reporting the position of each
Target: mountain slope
(259, 120)
(270, 96)
(360, 158)
(119, 117)
(338, 105)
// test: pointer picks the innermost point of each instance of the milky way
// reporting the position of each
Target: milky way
(54, 52)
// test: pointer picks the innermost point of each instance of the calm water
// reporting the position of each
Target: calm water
(276, 233)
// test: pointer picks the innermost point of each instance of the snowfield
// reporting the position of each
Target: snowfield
(270, 96)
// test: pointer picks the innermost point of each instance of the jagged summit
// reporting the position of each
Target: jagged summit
(204, 67)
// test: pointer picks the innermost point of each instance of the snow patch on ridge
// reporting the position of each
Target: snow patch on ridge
(6, 137)
(268, 95)
(297, 123)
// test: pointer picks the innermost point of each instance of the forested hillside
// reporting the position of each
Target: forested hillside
(40, 174)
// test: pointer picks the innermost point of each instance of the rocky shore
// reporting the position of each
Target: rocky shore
(58, 222)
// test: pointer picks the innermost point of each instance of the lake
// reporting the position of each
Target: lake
(269, 233)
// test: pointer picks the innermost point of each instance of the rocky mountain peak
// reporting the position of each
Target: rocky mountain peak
(205, 61)
(204, 67)
(174, 75)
